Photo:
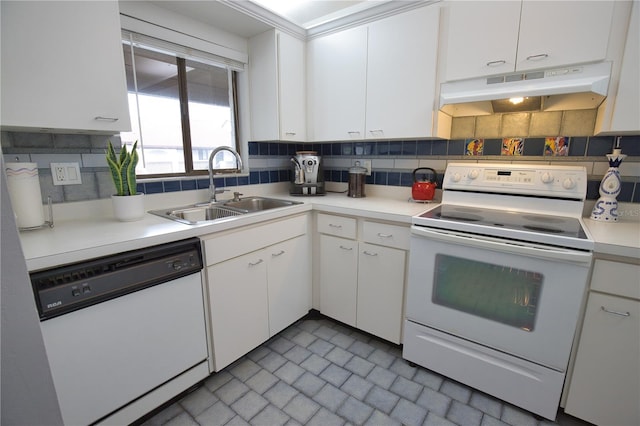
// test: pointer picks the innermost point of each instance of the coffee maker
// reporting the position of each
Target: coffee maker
(307, 174)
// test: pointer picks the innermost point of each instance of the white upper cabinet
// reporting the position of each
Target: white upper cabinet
(401, 75)
(337, 85)
(277, 87)
(63, 67)
(482, 38)
(624, 116)
(486, 38)
(375, 81)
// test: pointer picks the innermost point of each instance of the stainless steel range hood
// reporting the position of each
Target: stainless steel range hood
(568, 88)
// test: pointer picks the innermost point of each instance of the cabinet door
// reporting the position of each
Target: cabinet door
(238, 306)
(337, 85)
(563, 32)
(292, 88)
(381, 272)
(626, 111)
(401, 74)
(605, 388)
(277, 85)
(482, 38)
(338, 278)
(263, 86)
(289, 282)
(63, 67)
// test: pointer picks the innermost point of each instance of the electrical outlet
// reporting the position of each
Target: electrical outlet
(367, 165)
(66, 173)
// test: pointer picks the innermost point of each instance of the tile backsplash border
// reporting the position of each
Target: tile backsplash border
(392, 161)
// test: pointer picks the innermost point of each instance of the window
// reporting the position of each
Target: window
(181, 110)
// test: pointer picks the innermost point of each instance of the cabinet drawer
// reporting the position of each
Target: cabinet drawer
(616, 278)
(387, 235)
(337, 225)
(241, 241)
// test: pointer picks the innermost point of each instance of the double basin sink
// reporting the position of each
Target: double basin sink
(207, 212)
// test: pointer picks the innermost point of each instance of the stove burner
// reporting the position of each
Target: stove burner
(466, 209)
(543, 229)
(464, 218)
(536, 218)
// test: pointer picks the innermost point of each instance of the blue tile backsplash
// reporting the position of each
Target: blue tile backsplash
(45, 148)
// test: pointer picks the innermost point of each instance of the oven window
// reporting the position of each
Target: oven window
(496, 292)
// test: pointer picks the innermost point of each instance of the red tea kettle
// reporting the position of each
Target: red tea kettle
(423, 190)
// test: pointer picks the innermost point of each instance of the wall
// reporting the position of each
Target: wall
(392, 161)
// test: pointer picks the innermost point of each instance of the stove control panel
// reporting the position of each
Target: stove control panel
(522, 179)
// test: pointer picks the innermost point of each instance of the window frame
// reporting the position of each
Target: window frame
(232, 67)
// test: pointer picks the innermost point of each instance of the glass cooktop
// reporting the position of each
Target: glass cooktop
(465, 218)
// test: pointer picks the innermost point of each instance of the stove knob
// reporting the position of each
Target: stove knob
(456, 177)
(568, 183)
(547, 177)
(474, 174)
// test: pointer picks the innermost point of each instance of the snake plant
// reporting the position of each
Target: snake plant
(123, 169)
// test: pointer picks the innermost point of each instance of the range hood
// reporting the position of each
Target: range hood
(567, 88)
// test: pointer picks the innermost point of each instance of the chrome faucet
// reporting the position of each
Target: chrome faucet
(212, 187)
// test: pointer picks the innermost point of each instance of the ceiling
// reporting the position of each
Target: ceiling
(310, 13)
(247, 18)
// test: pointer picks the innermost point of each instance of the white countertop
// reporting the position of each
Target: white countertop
(94, 232)
(621, 238)
(77, 238)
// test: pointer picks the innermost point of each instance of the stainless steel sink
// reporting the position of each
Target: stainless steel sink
(209, 212)
(255, 204)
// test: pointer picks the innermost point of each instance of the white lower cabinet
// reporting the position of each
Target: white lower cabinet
(605, 383)
(239, 312)
(258, 283)
(380, 290)
(362, 282)
(339, 278)
(288, 282)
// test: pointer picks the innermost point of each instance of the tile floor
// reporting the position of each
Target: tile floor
(319, 372)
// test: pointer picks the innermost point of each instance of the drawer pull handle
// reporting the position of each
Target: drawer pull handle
(277, 254)
(621, 314)
(381, 235)
(496, 63)
(346, 248)
(331, 225)
(109, 119)
(256, 263)
(290, 133)
(369, 253)
(537, 57)
(353, 132)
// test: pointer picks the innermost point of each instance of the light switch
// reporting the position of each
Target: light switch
(66, 173)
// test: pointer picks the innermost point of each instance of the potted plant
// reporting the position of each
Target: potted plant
(128, 203)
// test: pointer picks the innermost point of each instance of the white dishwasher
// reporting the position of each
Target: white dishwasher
(124, 333)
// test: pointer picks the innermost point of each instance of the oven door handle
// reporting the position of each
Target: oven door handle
(516, 247)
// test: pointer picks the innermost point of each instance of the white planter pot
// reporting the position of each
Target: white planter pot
(128, 208)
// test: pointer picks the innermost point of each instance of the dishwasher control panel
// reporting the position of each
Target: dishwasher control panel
(68, 288)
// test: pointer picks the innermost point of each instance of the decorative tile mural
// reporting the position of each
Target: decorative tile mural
(512, 146)
(556, 147)
(474, 147)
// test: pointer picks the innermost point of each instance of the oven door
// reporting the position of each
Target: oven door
(519, 298)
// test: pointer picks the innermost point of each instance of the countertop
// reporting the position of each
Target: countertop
(95, 233)
(73, 239)
(621, 238)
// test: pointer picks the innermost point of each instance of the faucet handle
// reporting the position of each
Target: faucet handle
(236, 196)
